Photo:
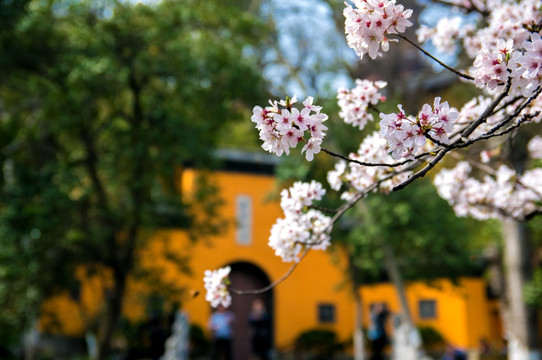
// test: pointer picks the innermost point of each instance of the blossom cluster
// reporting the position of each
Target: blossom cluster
(406, 135)
(506, 49)
(493, 68)
(361, 178)
(283, 126)
(504, 194)
(535, 147)
(370, 21)
(527, 66)
(506, 20)
(490, 68)
(472, 110)
(354, 103)
(445, 34)
(216, 283)
(469, 5)
(301, 226)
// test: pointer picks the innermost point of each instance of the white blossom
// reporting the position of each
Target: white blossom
(216, 283)
(354, 103)
(282, 126)
(302, 226)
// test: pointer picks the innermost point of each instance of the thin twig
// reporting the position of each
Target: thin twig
(340, 211)
(374, 108)
(346, 158)
(435, 141)
(526, 118)
(484, 167)
(458, 143)
(468, 9)
(323, 209)
(483, 117)
(423, 171)
(457, 72)
(518, 110)
(276, 282)
(506, 104)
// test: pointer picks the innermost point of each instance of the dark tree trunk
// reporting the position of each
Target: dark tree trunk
(113, 310)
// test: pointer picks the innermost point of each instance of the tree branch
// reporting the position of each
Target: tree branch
(363, 163)
(457, 72)
(483, 117)
(276, 282)
(467, 9)
(425, 170)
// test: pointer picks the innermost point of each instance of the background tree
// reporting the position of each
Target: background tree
(102, 102)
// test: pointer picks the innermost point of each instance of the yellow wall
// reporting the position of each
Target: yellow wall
(463, 312)
(62, 314)
(314, 281)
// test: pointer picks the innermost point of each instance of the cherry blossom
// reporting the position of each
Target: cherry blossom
(535, 147)
(506, 20)
(501, 40)
(406, 135)
(283, 126)
(445, 34)
(216, 283)
(361, 179)
(490, 66)
(498, 195)
(302, 226)
(354, 103)
(369, 22)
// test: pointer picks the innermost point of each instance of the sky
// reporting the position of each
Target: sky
(309, 39)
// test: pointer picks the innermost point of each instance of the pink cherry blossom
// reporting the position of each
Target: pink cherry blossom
(535, 147)
(369, 22)
(406, 135)
(301, 226)
(445, 35)
(354, 103)
(496, 196)
(504, 46)
(282, 126)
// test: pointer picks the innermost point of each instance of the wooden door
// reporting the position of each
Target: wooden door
(245, 276)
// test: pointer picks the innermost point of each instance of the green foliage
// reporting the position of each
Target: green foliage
(323, 344)
(101, 103)
(431, 337)
(199, 344)
(534, 226)
(428, 239)
(532, 292)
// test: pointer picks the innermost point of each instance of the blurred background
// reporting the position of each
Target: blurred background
(130, 165)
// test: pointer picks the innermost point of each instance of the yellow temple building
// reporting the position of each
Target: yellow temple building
(313, 296)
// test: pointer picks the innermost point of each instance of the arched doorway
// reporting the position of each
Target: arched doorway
(247, 276)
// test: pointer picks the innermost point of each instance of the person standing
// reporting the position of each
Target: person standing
(454, 353)
(377, 332)
(260, 323)
(221, 327)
